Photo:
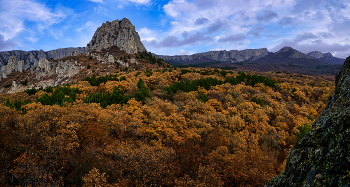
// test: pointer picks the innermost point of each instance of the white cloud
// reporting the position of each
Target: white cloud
(101, 10)
(32, 39)
(87, 24)
(262, 20)
(96, 1)
(13, 18)
(140, 1)
(6, 44)
(177, 7)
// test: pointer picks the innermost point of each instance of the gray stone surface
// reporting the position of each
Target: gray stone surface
(315, 54)
(322, 157)
(21, 60)
(13, 65)
(63, 69)
(119, 33)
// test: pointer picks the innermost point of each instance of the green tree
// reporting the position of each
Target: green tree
(142, 93)
(302, 131)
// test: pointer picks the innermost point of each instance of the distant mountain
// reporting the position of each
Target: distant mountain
(216, 56)
(286, 59)
(326, 57)
(290, 60)
(288, 52)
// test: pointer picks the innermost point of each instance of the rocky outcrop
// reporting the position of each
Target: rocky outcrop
(326, 57)
(13, 65)
(218, 56)
(21, 60)
(116, 33)
(63, 69)
(322, 157)
(315, 54)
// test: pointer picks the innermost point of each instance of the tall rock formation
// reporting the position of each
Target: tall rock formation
(219, 56)
(322, 157)
(119, 33)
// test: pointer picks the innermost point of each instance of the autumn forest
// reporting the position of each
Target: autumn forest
(158, 127)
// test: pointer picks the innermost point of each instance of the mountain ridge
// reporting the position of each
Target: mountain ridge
(31, 58)
(225, 56)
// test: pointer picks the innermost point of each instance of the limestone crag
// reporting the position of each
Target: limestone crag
(21, 60)
(13, 65)
(116, 33)
(48, 73)
(63, 69)
(221, 56)
(106, 58)
(31, 58)
(322, 157)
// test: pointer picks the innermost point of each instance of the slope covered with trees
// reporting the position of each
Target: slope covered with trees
(161, 127)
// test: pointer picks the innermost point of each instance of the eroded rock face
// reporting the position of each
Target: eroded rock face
(119, 33)
(12, 65)
(31, 58)
(63, 69)
(322, 157)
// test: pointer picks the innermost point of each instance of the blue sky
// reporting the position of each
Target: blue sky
(181, 26)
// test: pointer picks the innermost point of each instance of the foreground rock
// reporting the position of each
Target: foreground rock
(119, 33)
(322, 157)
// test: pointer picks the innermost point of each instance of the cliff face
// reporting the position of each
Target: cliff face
(12, 65)
(21, 60)
(222, 56)
(119, 33)
(322, 157)
(31, 58)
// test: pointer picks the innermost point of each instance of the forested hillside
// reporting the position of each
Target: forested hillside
(160, 127)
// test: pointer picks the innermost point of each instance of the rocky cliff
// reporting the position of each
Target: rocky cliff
(221, 56)
(322, 157)
(21, 60)
(12, 65)
(116, 33)
(326, 57)
(31, 58)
